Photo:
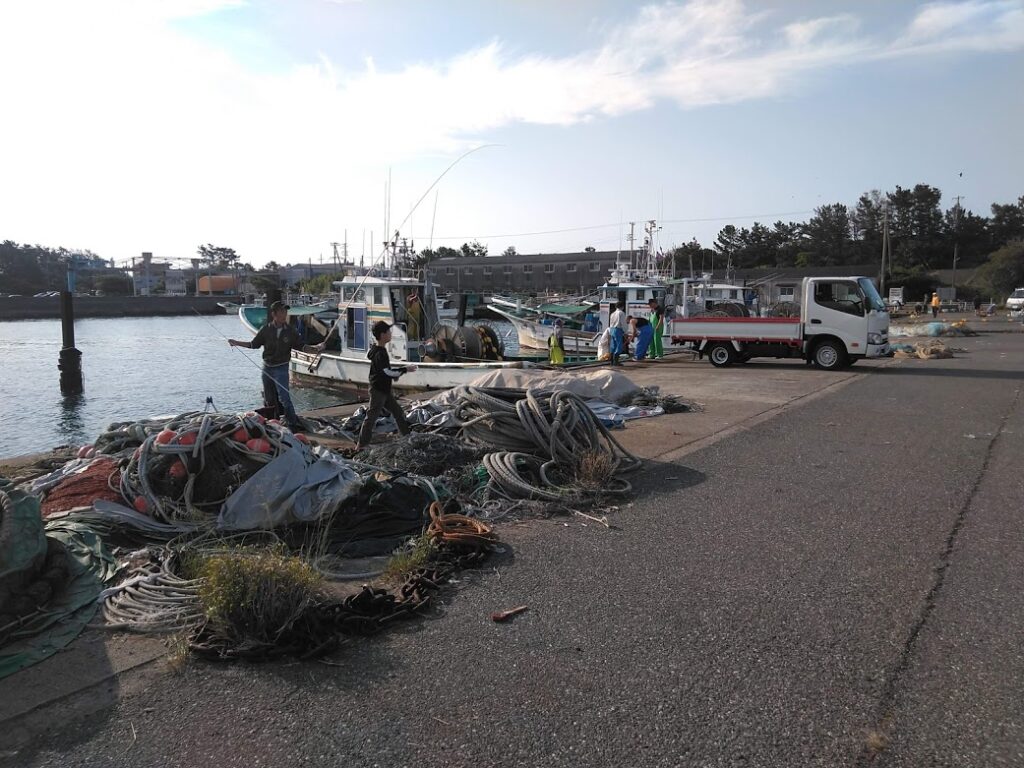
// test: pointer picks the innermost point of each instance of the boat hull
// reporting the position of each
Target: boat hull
(336, 371)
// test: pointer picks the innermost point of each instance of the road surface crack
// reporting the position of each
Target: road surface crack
(884, 720)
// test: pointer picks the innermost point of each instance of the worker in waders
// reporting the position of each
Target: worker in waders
(556, 346)
(617, 325)
(643, 335)
(657, 321)
(936, 303)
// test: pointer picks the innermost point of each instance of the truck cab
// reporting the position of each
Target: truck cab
(844, 320)
(1015, 303)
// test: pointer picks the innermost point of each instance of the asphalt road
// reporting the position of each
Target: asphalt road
(840, 585)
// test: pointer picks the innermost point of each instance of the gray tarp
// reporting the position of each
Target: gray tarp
(588, 383)
(299, 486)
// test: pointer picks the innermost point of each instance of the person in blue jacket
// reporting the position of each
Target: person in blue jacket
(644, 335)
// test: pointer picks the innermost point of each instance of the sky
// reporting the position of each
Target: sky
(274, 127)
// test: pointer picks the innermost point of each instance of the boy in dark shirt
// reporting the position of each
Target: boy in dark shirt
(382, 374)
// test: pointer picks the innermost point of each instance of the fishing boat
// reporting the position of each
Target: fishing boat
(534, 324)
(633, 287)
(445, 356)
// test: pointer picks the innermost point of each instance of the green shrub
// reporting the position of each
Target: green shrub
(254, 597)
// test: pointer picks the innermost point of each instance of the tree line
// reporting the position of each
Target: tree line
(923, 237)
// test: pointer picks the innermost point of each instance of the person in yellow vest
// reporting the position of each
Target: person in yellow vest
(936, 303)
(556, 348)
(414, 320)
(657, 321)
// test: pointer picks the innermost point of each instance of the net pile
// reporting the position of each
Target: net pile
(186, 470)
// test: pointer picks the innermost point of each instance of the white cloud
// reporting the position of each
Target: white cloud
(973, 25)
(129, 132)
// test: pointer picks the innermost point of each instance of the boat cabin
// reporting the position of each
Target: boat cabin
(634, 288)
(401, 298)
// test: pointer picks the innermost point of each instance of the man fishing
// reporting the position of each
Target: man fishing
(277, 339)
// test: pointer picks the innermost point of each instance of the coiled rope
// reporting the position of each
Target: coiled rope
(540, 434)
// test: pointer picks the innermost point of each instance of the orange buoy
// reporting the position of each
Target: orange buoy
(258, 445)
(166, 436)
(187, 438)
(141, 505)
(83, 452)
(241, 435)
(301, 438)
(178, 470)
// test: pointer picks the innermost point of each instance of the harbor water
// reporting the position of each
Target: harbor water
(134, 368)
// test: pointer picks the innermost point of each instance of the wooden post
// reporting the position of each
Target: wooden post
(70, 359)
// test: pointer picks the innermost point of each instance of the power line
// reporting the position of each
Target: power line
(608, 226)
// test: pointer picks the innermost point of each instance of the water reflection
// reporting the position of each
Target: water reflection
(70, 418)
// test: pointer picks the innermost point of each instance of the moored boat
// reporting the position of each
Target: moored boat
(445, 356)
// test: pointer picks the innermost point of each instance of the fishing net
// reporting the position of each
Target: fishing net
(84, 488)
(427, 454)
(651, 398)
(187, 470)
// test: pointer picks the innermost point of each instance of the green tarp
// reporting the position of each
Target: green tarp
(64, 617)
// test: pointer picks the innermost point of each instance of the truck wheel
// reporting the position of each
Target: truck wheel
(829, 355)
(722, 355)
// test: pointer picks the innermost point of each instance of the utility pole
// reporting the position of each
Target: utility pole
(886, 256)
(956, 240)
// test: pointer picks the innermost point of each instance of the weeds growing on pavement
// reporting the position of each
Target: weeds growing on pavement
(594, 469)
(177, 653)
(414, 554)
(255, 596)
(875, 742)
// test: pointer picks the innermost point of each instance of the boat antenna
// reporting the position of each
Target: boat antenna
(433, 220)
(385, 245)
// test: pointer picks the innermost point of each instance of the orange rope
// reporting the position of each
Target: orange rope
(458, 529)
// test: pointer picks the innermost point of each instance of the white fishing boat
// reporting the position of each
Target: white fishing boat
(534, 324)
(445, 356)
(633, 287)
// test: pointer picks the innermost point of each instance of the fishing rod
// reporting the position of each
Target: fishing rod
(244, 356)
(259, 367)
(316, 361)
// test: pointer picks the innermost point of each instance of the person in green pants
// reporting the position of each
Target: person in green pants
(657, 321)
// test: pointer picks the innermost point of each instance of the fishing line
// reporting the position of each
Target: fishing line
(384, 251)
(247, 359)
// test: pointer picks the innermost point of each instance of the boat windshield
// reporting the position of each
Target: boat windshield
(871, 297)
(1018, 294)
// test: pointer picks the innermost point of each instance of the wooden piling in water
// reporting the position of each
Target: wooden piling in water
(70, 360)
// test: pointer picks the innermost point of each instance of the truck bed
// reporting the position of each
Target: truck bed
(778, 330)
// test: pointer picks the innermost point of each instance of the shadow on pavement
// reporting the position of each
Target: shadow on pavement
(958, 373)
(77, 683)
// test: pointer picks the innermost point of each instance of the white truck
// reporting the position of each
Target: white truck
(1016, 301)
(842, 320)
